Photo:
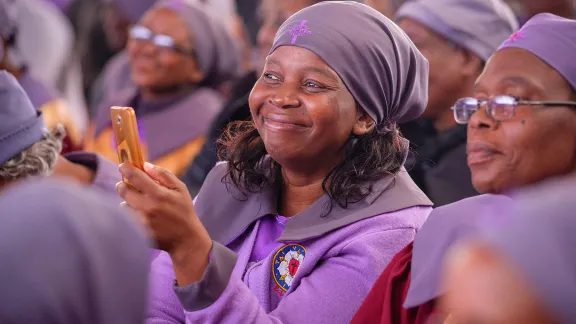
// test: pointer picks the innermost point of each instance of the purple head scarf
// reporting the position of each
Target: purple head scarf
(69, 256)
(479, 26)
(7, 23)
(21, 125)
(540, 241)
(216, 52)
(133, 9)
(552, 39)
(446, 226)
(377, 62)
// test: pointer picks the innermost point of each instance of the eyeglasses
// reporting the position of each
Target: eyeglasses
(499, 108)
(142, 33)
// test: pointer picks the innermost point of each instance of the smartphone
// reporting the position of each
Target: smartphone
(127, 137)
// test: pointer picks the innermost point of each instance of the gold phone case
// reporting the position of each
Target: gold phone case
(127, 137)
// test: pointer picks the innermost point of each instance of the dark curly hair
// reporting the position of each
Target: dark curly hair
(368, 158)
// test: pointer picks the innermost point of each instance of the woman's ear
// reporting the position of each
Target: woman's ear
(472, 65)
(364, 125)
(195, 74)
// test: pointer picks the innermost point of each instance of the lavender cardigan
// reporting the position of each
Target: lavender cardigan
(320, 274)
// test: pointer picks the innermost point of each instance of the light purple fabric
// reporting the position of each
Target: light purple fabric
(552, 39)
(133, 9)
(69, 256)
(540, 241)
(271, 229)
(479, 26)
(446, 226)
(39, 93)
(106, 173)
(7, 17)
(339, 268)
(21, 125)
(377, 62)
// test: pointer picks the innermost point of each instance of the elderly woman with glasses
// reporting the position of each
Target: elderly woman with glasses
(521, 131)
(180, 58)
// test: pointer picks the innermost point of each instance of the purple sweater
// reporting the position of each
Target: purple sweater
(321, 272)
(331, 278)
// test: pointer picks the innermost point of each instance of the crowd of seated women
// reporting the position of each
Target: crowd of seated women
(348, 162)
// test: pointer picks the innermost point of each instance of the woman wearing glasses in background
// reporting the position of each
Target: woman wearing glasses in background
(180, 58)
(521, 131)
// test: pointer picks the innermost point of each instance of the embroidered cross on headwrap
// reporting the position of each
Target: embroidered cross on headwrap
(299, 30)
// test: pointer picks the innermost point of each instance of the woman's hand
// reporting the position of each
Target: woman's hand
(165, 206)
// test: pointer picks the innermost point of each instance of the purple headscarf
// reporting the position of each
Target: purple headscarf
(377, 62)
(479, 26)
(133, 9)
(552, 39)
(216, 52)
(445, 227)
(69, 256)
(21, 125)
(540, 241)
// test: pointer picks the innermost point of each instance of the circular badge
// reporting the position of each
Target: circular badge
(286, 263)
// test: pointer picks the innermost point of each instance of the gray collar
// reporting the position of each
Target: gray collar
(226, 212)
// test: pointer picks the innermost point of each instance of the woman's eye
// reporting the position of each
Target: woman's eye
(270, 76)
(310, 84)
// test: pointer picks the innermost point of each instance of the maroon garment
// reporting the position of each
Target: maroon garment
(383, 304)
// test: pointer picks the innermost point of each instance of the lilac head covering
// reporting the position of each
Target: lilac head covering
(540, 241)
(20, 124)
(216, 52)
(446, 226)
(479, 26)
(552, 39)
(377, 62)
(133, 9)
(69, 256)
(7, 24)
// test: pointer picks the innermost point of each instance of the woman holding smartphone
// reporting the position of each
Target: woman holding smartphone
(312, 200)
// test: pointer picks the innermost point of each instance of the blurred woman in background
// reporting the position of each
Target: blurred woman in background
(454, 37)
(180, 57)
(43, 97)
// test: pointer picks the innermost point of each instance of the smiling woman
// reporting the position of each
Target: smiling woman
(179, 57)
(312, 200)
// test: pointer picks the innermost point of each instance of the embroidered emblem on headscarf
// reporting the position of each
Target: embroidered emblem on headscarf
(286, 263)
(514, 37)
(299, 30)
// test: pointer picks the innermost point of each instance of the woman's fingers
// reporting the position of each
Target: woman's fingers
(163, 177)
(134, 198)
(139, 179)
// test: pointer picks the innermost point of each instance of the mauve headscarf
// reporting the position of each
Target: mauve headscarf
(446, 226)
(540, 241)
(377, 62)
(479, 26)
(552, 39)
(216, 52)
(69, 256)
(133, 9)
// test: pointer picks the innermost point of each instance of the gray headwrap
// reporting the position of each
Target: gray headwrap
(20, 124)
(216, 52)
(540, 241)
(479, 26)
(377, 62)
(446, 226)
(69, 256)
